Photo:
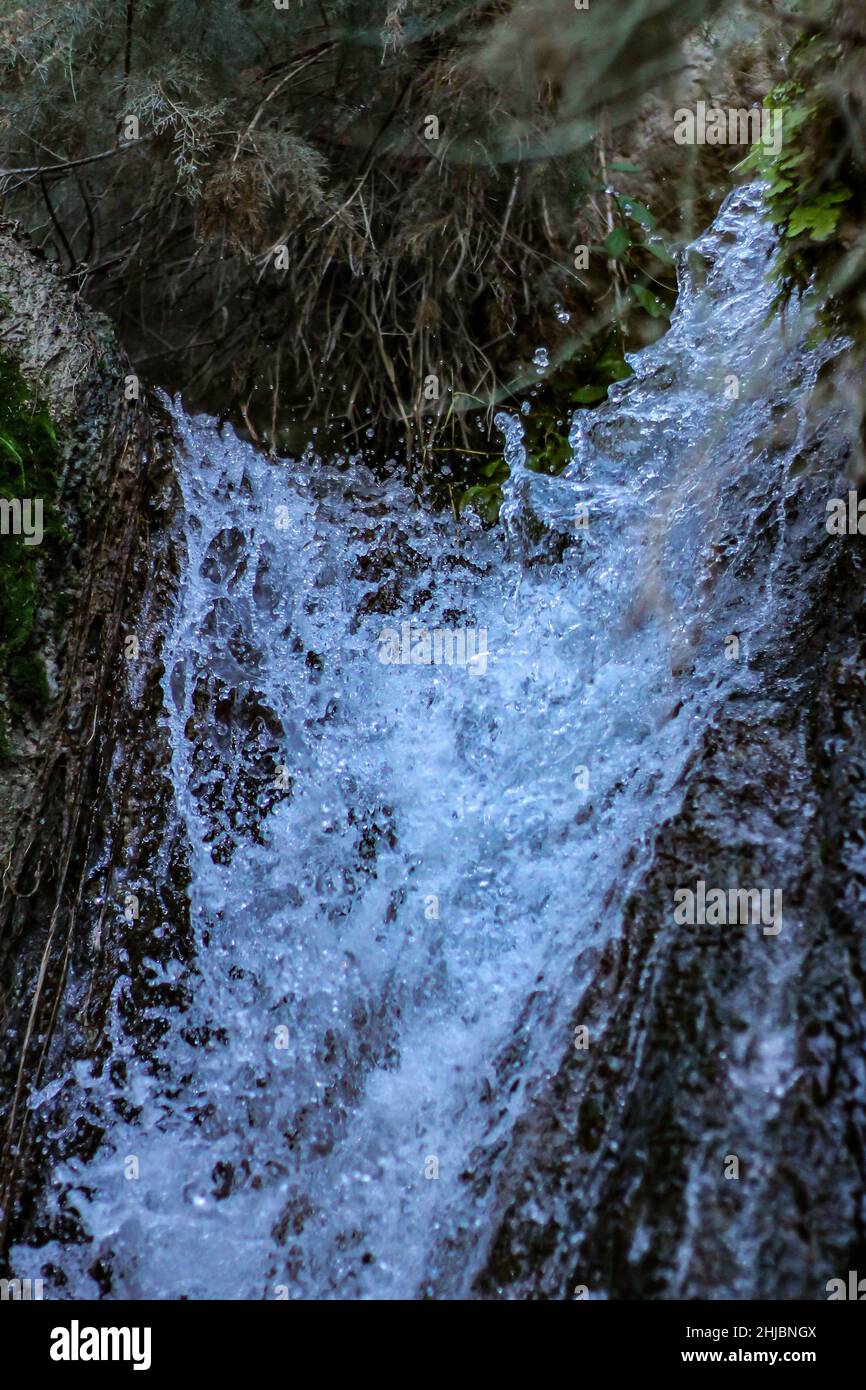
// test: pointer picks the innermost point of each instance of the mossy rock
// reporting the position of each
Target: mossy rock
(28, 562)
(61, 398)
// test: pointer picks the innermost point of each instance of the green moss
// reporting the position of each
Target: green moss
(28, 471)
(28, 683)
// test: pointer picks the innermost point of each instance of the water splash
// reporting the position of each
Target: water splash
(402, 872)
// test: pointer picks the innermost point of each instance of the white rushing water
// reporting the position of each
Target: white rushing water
(398, 871)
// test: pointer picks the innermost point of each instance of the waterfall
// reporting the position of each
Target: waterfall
(418, 767)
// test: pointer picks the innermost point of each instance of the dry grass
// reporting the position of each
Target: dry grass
(406, 258)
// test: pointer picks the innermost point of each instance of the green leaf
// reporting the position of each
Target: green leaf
(795, 116)
(659, 250)
(820, 224)
(497, 471)
(820, 217)
(486, 499)
(839, 193)
(614, 367)
(637, 212)
(589, 395)
(648, 301)
(616, 242)
(6, 443)
(625, 168)
(795, 157)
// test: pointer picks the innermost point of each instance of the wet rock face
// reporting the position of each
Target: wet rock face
(713, 1043)
(70, 362)
(112, 491)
